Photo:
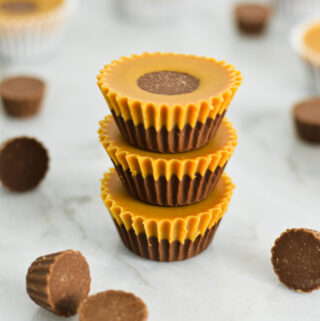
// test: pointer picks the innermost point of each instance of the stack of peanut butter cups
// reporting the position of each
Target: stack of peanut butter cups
(170, 142)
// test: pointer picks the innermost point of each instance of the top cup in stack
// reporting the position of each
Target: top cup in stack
(170, 143)
(168, 103)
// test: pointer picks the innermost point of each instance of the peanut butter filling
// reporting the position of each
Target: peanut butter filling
(121, 77)
(165, 89)
(312, 38)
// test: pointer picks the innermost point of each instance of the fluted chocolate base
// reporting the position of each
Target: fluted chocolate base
(174, 192)
(308, 132)
(58, 282)
(252, 28)
(22, 109)
(163, 251)
(164, 141)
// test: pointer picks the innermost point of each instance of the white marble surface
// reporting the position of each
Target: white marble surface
(277, 177)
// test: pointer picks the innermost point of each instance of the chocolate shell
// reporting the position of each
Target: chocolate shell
(58, 282)
(22, 96)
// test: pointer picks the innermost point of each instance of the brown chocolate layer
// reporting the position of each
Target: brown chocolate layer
(22, 96)
(113, 305)
(251, 28)
(163, 251)
(174, 192)
(164, 141)
(307, 119)
(19, 6)
(58, 282)
(252, 18)
(296, 259)
(307, 132)
(21, 109)
(168, 82)
(23, 163)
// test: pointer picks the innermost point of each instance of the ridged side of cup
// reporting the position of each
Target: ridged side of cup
(174, 192)
(164, 251)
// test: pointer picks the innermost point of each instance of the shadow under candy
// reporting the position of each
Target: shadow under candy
(43, 314)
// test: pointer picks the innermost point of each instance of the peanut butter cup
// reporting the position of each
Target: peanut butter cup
(165, 234)
(113, 305)
(23, 163)
(31, 29)
(252, 18)
(22, 96)
(168, 103)
(58, 282)
(296, 259)
(307, 120)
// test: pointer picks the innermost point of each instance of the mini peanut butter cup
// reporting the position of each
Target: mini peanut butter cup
(169, 179)
(23, 163)
(307, 120)
(170, 234)
(168, 103)
(22, 96)
(113, 305)
(296, 259)
(252, 18)
(58, 282)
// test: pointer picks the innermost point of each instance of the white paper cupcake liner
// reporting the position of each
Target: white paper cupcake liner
(152, 11)
(31, 39)
(309, 58)
(292, 9)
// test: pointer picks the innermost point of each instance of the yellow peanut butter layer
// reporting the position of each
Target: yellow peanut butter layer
(18, 7)
(311, 39)
(166, 89)
(172, 224)
(215, 153)
(16, 13)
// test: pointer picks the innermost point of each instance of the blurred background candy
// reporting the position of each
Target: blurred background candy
(305, 40)
(30, 29)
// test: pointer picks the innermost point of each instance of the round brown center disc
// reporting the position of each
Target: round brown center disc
(168, 82)
(113, 306)
(19, 6)
(23, 163)
(296, 259)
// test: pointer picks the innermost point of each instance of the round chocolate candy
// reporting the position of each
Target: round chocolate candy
(307, 120)
(113, 306)
(296, 259)
(23, 163)
(22, 96)
(252, 18)
(59, 282)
